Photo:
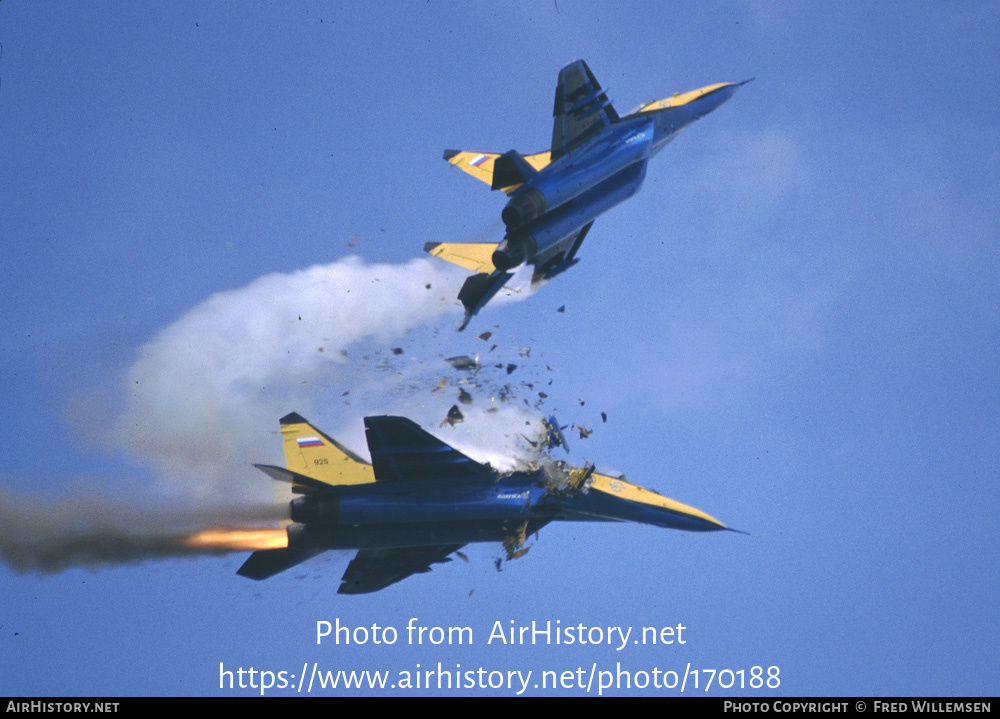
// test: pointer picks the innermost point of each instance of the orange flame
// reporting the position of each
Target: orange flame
(237, 539)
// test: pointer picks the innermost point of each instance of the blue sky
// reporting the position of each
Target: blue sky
(793, 327)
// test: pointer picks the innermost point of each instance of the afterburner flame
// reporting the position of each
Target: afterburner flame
(237, 539)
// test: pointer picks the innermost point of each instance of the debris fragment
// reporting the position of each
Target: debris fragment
(584, 432)
(561, 309)
(543, 395)
(516, 536)
(397, 350)
(427, 286)
(461, 555)
(485, 336)
(442, 383)
(604, 417)
(578, 477)
(524, 351)
(454, 416)
(511, 368)
(581, 402)
(463, 362)
(464, 397)
(499, 563)
(553, 436)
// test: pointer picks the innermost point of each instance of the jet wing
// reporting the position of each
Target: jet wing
(481, 164)
(375, 569)
(582, 109)
(402, 451)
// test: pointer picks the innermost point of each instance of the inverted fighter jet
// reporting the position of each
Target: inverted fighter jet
(597, 160)
(420, 501)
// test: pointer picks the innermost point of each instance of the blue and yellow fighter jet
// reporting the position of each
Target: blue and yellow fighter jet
(597, 160)
(421, 500)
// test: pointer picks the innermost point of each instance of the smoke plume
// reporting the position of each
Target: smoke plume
(202, 400)
(332, 342)
(91, 530)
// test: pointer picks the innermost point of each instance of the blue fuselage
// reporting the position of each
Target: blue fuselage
(547, 214)
(456, 511)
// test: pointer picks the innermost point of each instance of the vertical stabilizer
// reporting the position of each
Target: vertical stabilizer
(582, 109)
(310, 452)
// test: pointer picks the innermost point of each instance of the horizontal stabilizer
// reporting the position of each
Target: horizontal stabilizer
(472, 256)
(478, 290)
(482, 166)
(268, 562)
(299, 482)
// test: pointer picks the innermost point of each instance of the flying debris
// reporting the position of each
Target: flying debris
(420, 501)
(597, 160)
(454, 416)
(463, 362)
(553, 434)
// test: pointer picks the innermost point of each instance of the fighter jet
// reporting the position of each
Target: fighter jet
(597, 160)
(420, 501)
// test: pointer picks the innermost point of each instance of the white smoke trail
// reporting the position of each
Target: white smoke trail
(201, 403)
(203, 399)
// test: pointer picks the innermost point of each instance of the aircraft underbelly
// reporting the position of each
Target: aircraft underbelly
(393, 536)
(553, 232)
(595, 163)
(604, 507)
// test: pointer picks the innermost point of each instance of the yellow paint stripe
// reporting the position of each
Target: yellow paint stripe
(681, 98)
(618, 487)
